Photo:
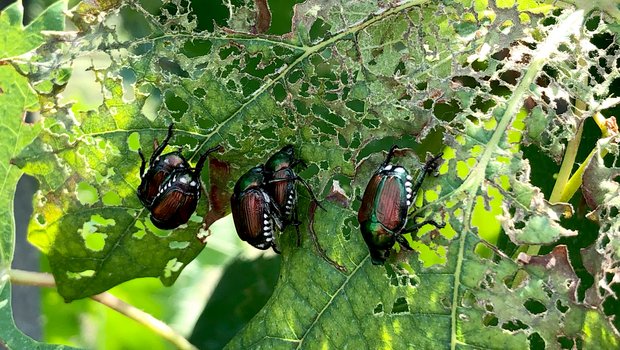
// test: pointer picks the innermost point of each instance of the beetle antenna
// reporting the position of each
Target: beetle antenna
(143, 165)
(204, 156)
(389, 156)
(162, 145)
(314, 199)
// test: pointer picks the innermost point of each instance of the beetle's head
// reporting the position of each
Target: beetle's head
(281, 159)
(254, 177)
(379, 256)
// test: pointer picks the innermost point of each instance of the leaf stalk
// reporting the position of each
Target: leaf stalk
(42, 279)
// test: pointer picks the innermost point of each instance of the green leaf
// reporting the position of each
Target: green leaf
(16, 99)
(10, 336)
(244, 288)
(15, 39)
(353, 78)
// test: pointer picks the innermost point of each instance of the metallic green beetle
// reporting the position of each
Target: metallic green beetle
(385, 204)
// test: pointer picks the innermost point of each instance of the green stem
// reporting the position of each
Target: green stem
(41, 279)
(567, 166)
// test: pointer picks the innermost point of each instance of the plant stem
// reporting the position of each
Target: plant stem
(157, 326)
(41, 279)
(567, 166)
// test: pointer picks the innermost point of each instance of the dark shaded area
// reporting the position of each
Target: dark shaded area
(243, 290)
(281, 15)
(26, 300)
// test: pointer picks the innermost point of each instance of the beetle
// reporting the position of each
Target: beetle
(387, 199)
(254, 212)
(280, 185)
(159, 168)
(178, 195)
(170, 188)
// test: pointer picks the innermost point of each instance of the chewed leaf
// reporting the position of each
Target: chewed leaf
(602, 193)
(352, 79)
(17, 39)
(534, 220)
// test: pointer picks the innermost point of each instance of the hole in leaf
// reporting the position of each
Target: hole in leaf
(141, 230)
(498, 89)
(279, 93)
(347, 229)
(176, 105)
(171, 267)
(31, 117)
(536, 342)
(534, 306)
(172, 67)
(510, 76)
(509, 280)
(566, 342)
(178, 245)
(196, 48)
(93, 239)
(356, 105)
(592, 23)
(468, 300)
(133, 141)
(391, 275)
(111, 199)
(479, 66)
(514, 325)
(561, 307)
(158, 232)
(490, 320)
(446, 111)
(467, 81)
(152, 104)
(378, 309)
(199, 92)
(210, 13)
(129, 78)
(80, 274)
(86, 193)
(319, 30)
(400, 306)
(40, 219)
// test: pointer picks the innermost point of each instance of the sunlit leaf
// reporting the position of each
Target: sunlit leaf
(352, 78)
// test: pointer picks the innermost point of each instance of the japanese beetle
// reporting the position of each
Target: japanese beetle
(387, 199)
(178, 195)
(170, 188)
(159, 168)
(254, 212)
(280, 185)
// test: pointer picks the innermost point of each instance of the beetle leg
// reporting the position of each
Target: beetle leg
(275, 248)
(403, 242)
(163, 145)
(276, 215)
(415, 227)
(143, 165)
(314, 199)
(428, 168)
(432, 164)
(203, 158)
(389, 156)
(296, 223)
